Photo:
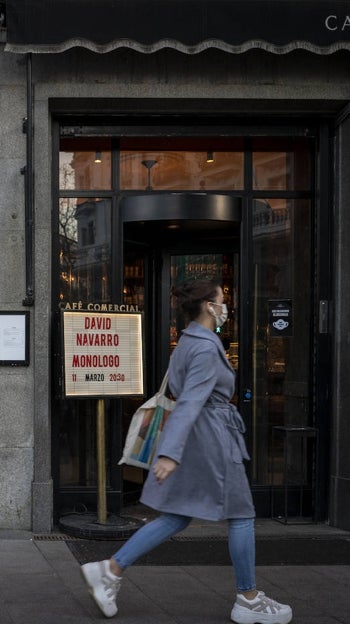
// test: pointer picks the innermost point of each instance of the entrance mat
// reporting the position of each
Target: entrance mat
(214, 551)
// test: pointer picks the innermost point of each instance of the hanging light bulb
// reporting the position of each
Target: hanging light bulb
(210, 157)
(98, 157)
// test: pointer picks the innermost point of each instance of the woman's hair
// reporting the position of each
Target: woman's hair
(191, 294)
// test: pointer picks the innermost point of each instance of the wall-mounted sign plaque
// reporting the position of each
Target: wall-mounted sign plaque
(14, 338)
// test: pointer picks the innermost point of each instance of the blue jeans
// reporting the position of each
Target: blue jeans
(241, 542)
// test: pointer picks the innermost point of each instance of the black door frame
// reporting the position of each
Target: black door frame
(321, 130)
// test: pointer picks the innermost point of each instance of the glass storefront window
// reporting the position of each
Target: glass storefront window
(85, 164)
(281, 164)
(280, 264)
(281, 344)
(192, 164)
(85, 249)
(85, 269)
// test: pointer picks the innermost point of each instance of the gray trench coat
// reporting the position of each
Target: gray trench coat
(203, 434)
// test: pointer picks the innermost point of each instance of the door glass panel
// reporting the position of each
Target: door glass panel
(222, 267)
(85, 164)
(281, 325)
(281, 164)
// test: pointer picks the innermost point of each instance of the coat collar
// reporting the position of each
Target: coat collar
(197, 330)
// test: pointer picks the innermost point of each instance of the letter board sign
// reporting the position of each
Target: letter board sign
(103, 354)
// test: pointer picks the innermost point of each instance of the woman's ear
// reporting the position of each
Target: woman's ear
(205, 306)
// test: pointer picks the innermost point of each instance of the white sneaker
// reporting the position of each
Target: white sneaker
(260, 610)
(103, 585)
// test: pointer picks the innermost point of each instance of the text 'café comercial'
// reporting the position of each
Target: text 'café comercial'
(99, 307)
(206, 138)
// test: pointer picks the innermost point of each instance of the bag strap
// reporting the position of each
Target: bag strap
(163, 387)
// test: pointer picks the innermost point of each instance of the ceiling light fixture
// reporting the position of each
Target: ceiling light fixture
(149, 164)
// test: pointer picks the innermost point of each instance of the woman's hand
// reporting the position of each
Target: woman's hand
(163, 467)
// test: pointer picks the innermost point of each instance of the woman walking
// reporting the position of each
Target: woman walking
(198, 470)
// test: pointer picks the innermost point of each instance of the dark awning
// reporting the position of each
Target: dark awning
(190, 26)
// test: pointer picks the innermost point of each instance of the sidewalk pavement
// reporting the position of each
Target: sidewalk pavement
(40, 583)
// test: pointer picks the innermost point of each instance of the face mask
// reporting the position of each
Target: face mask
(220, 318)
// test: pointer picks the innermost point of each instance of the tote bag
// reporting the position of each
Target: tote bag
(145, 428)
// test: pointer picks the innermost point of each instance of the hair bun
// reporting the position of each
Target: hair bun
(191, 293)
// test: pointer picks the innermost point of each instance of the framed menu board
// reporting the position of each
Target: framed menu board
(14, 338)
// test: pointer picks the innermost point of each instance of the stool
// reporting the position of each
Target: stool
(296, 480)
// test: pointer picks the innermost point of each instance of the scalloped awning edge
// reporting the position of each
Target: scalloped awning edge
(177, 45)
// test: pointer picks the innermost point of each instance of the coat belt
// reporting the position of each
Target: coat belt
(236, 426)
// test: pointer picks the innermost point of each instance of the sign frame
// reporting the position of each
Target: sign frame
(16, 350)
(98, 386)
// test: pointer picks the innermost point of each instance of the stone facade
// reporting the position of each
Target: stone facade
(244, 84)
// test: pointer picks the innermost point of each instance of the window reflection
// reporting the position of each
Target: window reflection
(85, 249)
(281, 164)
(270, 218)
(188, 164)
(181, 171)
(85, 164)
